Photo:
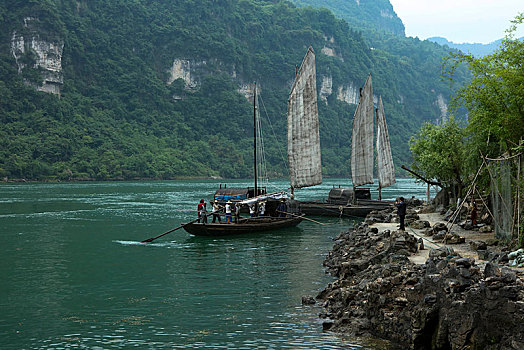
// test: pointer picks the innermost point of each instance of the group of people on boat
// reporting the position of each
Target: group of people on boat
(231, 211)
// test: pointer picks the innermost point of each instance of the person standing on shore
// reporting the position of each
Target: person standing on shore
(474, 213)
(401, 211)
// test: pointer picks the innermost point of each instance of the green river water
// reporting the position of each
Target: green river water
(74, 275)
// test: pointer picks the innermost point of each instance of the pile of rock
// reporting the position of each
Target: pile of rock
(516, 258)
(451, 302)
(390, 215)
(439, 231)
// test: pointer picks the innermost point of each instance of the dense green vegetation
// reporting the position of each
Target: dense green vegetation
(117, 118)
(362, 15)
(494, 102)
(439, 153)
(493, 135)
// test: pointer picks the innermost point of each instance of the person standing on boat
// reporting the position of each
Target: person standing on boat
(228, 212)
(262, 209)
(282, 209)
(202, 215)
(252, 210)
(216, 212)
(237, 212)
(401, 211)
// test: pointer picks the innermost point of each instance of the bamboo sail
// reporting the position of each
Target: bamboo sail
(362, 139)
(385, 166)
(302, 127)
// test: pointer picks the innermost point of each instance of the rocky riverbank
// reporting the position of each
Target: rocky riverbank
(449, 300)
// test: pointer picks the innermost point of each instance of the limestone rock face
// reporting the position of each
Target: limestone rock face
(192, 71)
(326, 88)
(181, 69)
(386, 13)
(442, 106)
(348, 93)
(328, 51)
(47, 56)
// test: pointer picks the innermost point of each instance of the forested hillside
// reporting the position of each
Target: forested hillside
(156, 89)
(363, 15)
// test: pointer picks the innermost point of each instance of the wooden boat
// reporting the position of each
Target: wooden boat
(340, 203)
(357, 201)
(325, 209)
(254, 195)
(244, 226)
(303, 136)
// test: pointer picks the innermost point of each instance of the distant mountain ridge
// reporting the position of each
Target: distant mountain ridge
(476, 49)
(378, 15)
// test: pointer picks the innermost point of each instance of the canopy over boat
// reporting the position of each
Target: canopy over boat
(231, 194)
(275, 196)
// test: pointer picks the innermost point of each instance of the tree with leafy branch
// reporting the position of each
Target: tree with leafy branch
(438, 153)
(494, 98)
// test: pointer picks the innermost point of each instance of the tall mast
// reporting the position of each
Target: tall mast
(255, 135)
(378, 170)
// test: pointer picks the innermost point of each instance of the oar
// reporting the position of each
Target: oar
(176, 228)
(303, 217)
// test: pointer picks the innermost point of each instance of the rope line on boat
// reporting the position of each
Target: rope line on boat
(338, 212)
(424, 238)
(284, 159)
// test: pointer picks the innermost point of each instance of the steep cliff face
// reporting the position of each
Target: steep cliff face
(193, 71)
(348, 93)
(326, 88)
(181, 69)
(31, 51)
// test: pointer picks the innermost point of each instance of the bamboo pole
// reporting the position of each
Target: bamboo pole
(457, 212)
(303, 217)
(421, 178)
(518, 196)
(485, 204)
(498, 192)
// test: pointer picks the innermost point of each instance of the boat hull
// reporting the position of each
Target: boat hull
(248, 225)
